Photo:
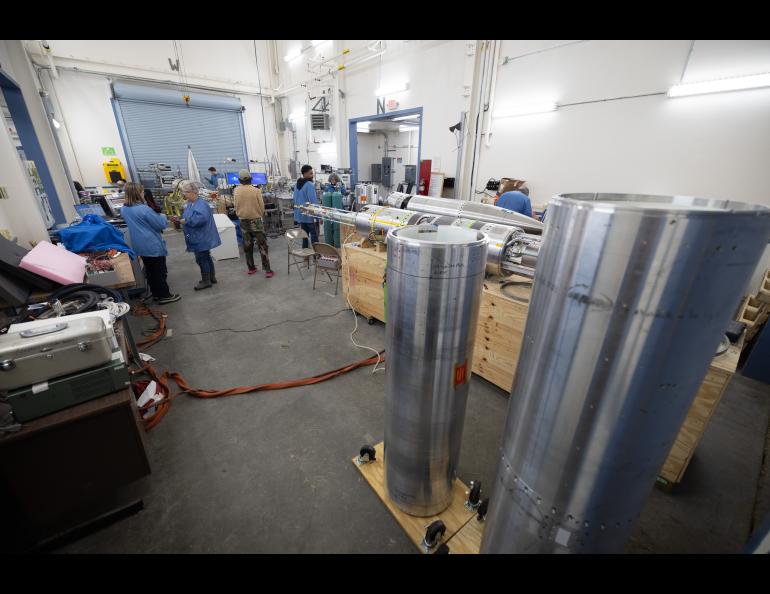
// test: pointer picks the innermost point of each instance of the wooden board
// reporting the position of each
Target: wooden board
(363, 271)
(500, 330)
(454, 517)
(467, 541)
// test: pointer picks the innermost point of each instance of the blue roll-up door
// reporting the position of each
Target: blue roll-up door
(157, 127)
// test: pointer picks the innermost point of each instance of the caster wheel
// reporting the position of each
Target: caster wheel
(366, 454)
(482, 511)
(443, 549)
(474, 496)
(371, 321)
(433, 535)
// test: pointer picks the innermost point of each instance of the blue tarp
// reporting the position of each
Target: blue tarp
(94, 234)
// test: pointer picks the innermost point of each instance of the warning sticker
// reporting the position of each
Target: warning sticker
(461, 373)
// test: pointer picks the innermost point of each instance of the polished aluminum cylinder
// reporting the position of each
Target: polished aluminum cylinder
(434, 279)
(471, 210)
(631, 297)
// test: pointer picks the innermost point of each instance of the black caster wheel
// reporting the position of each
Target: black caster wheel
(371, 321)
(474, 496)
(433, 534)
(442, 549)
(482, 510)
(366, 454)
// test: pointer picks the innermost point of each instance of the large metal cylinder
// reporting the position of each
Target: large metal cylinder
(631, 297)
(434, 277)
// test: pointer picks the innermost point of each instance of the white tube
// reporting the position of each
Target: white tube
(493, 85)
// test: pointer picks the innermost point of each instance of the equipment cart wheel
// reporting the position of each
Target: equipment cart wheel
(433, 535)
(366, 454)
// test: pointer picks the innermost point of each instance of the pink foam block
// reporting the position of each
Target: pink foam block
(55, 263)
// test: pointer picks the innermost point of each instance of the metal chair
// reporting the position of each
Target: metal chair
(296, 251)
(328, 259)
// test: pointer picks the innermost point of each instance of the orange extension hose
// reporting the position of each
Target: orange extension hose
(162, 406)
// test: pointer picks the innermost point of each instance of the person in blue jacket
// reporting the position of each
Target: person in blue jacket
(200, 232)
(145, 226)
(336, 185)
(304, 192)
(517, 201)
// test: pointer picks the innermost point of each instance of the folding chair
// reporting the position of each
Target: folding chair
(296, 251)
(328, 259)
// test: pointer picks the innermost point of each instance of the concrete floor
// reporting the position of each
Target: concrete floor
(271, 471)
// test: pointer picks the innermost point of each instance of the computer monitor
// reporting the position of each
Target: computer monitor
(258, 179)
(87, 209)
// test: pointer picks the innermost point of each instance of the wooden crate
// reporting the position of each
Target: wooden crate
(454, 517)
(363, 272)
(500, 330)
(763, 294)
(706, 400)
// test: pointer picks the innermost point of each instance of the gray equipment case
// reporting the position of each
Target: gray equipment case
(52, 350)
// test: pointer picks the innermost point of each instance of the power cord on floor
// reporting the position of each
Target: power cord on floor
(262, 327)
(355, 317)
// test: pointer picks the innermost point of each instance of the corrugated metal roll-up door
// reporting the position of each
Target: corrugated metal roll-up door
(157, 126)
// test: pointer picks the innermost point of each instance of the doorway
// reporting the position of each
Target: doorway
(385, 150)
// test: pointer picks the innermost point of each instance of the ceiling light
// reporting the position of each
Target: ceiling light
(525, 109)
(408, 128)
(738, 83)
(317, 43)
(293, 55)
(392, 90)
(409, 117)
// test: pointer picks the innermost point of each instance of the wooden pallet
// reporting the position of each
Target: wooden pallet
(763, 294)
(455, 517)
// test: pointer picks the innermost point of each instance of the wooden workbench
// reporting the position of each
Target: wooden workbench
(502, 318)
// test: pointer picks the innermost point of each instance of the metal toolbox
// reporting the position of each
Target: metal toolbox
(52, 396)
(55, 348)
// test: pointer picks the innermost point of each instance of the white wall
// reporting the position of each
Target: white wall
(713, 145)
(14, 59)
(437, 72)
(89, 120)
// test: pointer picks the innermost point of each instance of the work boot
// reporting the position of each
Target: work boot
(205, 282)
(213, 274)
(170, 299)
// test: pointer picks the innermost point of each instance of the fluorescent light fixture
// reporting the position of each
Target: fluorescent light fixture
(363, 127)
(408, 128)
(327, 147)
(319, 42)
(409, 117)
(392, 90)
(738, 83)
(56, 124)
(525, 109)
(295, 116)
(293, 55)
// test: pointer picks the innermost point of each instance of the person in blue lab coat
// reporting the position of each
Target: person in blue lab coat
(336, 185)
(200, 232)
(145, 227)
(517, 201)
(213, 178)
(304, 192)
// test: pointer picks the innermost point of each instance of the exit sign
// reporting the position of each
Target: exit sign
(108, 151)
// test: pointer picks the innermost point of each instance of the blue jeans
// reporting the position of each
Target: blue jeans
(204, 261)
(312, 230)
